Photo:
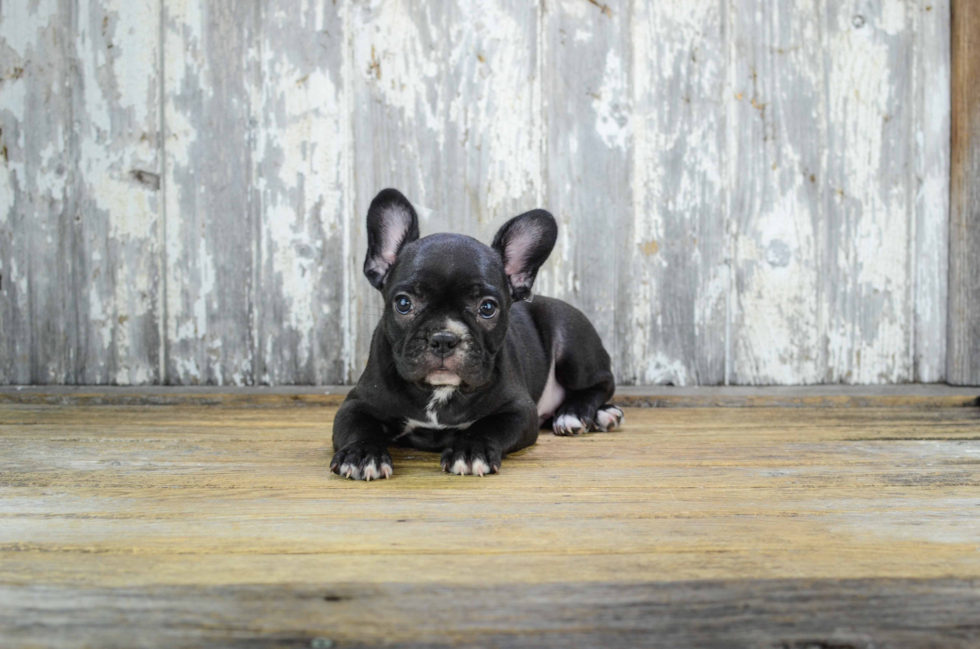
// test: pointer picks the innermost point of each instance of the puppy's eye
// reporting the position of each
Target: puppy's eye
(403, 305)
(488, 309)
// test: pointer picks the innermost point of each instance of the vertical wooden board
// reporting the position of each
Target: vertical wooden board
(963, 354)
(779, 117)
(210, 65)
(446, 108)
(301, 184)
(676, 293)
(589, 142)
(931, 186)
(117, 254)
(869, 197)
(38, 226)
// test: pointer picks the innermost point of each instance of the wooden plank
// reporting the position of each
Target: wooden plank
(676, 291)
(779, 123)
(211, 223)
(790, 613)
(39, 222)
(963, 359)
(650, 396)
(179, 526)
(450, 116)
(301, 160)
(116, 260)
(113, 497)
(869, 192)
(930, 257)
(825, 240)
(586, 85)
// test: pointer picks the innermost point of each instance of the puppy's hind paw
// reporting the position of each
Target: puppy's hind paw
(568, 424)
(609, 418)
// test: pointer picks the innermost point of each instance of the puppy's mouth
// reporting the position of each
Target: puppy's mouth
(443, 377)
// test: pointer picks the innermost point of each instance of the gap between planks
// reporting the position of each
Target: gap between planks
(821, 396)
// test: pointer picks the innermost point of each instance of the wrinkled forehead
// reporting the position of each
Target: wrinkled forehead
(444, 262)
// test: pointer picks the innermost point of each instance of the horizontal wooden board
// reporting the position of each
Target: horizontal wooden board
(784, 614)
(648, 396)
(181, 525)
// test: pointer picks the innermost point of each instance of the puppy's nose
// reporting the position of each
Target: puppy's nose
(443, 342)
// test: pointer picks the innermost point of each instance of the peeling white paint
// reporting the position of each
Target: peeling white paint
(18, 18)
(7, 189)
(612, 122)
(781, 198)
(310, 143)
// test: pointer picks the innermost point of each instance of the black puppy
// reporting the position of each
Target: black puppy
(459, 363)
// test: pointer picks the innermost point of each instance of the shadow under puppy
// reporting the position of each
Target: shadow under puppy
(460, 363)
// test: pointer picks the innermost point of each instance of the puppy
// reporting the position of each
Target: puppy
(460, 363)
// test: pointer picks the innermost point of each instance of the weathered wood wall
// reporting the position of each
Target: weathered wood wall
(749, 191)
(964, 251)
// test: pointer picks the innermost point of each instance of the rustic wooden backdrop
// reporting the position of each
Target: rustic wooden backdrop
(749, 191)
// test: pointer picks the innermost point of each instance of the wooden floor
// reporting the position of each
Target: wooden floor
(190, 525)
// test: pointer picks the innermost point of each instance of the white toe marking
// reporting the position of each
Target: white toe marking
(480, 468)
(386, 470)
(371, 471)
(566, 424)
(608, 419)
(460, 468)
(349, 471)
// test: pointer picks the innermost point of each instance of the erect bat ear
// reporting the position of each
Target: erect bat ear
(523, 244)
(391, 223)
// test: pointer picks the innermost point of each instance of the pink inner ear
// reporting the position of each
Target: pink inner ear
(396, 225)
(518, 250)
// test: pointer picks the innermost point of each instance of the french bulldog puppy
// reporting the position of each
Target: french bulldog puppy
(462, 362)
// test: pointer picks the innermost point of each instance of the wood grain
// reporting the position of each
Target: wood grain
(963, 360)
(210, 71)
(586, 81)
(179, 525)
(40, 227)
(882, 396)
(778, 333)
(678, 270)
(301, 195)
(750, 192)
(787, 614)
(932, 130)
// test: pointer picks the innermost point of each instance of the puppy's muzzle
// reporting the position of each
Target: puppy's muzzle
(443, 343)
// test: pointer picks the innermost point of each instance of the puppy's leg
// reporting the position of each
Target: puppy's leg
(582, 368)
(586, 410)
(360, 444)
(478, 450)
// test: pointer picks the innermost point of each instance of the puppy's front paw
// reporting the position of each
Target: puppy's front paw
(471, 457)
(359, 461)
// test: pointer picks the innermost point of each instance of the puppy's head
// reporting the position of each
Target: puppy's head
(448, 296)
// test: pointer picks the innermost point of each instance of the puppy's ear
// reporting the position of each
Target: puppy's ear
(524, 243)
(391, 223)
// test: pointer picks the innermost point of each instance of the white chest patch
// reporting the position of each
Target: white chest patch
(552, 396)
(440, 397)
